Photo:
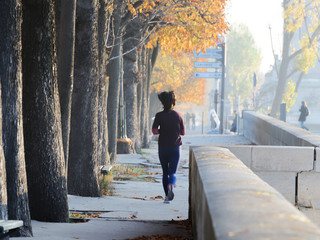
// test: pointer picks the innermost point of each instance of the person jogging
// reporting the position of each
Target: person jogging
(169, 125)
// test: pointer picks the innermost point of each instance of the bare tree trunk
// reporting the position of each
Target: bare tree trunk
(146, 106)
(141, 84)
(41, 114)
(154, 103)
(3, 177)
(132, 79)
(83, 169)
(299, 81)
(283, 71)
(114, 70)
(12, 132)
(103, 156)
(65, 49)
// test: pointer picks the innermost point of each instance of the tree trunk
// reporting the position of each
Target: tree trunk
(65, 49)
(114, 70)
(301, 75)
(141, 95)
(103, 156)
(11, 81)
(130, 80)
(146, 106)
(146, 64)
(83, 169)
(3, 180)
(132, 76)
(41, 114)
(283, 71)
(154, 103)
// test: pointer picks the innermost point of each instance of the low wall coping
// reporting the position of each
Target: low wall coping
(307, 138)
(238, 203)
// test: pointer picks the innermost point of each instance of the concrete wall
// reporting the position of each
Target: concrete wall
(295, 172)
(283, 167)
(265, 130)
(229, 201)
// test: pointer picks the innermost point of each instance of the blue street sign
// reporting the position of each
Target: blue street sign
(210, 53)
(207, 74)
(207, 64)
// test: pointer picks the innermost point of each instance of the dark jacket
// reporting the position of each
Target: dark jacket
(169, 125)
(304, 113)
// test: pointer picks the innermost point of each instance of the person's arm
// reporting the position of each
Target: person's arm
(182, 129)
(155, 126)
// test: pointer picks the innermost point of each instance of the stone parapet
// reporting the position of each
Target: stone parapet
(228, 201)
(265, 130)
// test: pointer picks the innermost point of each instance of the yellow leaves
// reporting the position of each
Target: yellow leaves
(308, 57)
(294, 14)
(290, 96)
(132, 9)
(176, 73)
(190, 25)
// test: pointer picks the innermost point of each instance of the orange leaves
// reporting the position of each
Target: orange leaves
(176, 73)
(182, 26)
(192, 25)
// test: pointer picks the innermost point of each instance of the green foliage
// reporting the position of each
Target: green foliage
(243, 60)
(290, 96)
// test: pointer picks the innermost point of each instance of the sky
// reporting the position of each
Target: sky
(258, 15)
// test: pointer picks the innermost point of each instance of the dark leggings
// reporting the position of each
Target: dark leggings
(169, 159)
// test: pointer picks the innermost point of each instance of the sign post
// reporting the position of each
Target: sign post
(222, 87)
(219, 54)
(207, 74)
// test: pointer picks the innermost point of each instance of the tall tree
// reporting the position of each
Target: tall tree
(11, 81)
(65, 51)
(114, 70)
(243, 60)
(83, 169)
(103, 16)
(3, 180)
(304, 16)
(41, 114)
(131, 78)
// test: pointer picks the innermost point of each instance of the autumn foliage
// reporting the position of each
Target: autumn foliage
(182, 26)
(176, 73)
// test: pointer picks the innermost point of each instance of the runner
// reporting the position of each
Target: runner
(169, 125)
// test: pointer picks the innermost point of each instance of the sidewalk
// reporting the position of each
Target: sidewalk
(136, 208)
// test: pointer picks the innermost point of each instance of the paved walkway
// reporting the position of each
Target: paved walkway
(137, 207)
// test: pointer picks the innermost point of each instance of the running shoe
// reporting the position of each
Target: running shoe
(170, 195)
(166, 200)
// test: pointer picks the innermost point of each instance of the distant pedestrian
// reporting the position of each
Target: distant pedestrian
(234, 123)
(188, 116)
(169, 125)
(193, 117)
(304, 112)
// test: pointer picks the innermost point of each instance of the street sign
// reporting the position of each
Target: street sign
(207, 64)
(210, 53)
(207, 74)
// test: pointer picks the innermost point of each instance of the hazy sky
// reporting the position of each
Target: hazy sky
(258, 15)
